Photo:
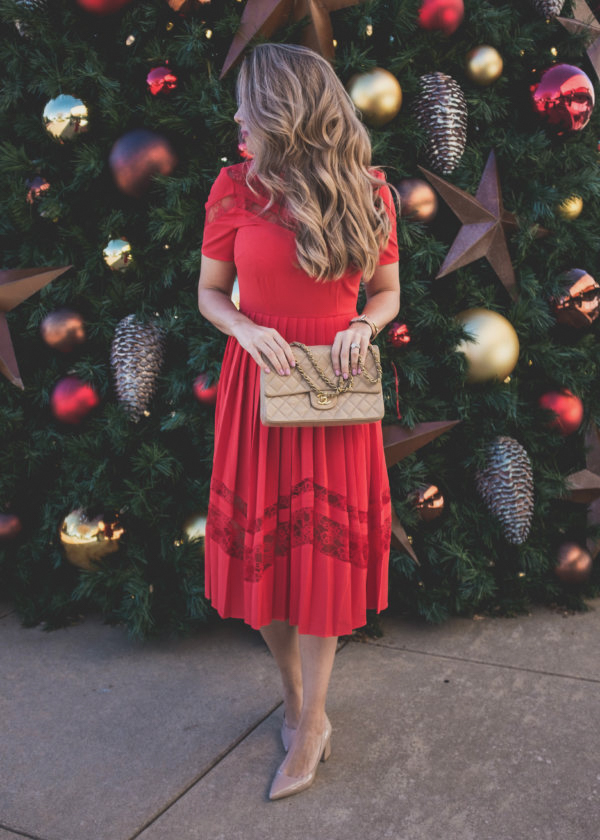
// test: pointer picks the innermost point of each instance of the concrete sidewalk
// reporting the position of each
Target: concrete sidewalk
(474, 730)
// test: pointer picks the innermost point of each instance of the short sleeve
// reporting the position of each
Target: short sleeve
(389, 254)
(221, 219)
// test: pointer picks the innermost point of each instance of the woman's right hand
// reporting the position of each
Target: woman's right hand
(257, 339)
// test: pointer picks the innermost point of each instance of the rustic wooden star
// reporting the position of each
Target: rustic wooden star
(264, 17)
(584, 21)
(485, 224)
(398, 443)
(16, 285)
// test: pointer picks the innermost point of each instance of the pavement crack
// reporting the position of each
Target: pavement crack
(490, 664)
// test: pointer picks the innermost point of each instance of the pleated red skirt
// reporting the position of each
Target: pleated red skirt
(299, 519)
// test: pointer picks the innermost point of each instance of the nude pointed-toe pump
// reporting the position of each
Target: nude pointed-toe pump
(284, 785)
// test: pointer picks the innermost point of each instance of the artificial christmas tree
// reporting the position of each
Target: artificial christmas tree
(127, 163)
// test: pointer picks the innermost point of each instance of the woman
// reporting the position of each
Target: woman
(299, 519)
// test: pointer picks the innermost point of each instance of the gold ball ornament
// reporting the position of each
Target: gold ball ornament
(570, 208)
(117, 254)
(377, 94)
(484, 65)
(86, 542)
(494, 353)
(65, 118)
(573, 563)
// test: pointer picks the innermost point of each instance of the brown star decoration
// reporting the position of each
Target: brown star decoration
(264, 17)
(398, 443)
(584, 21)
(16, 285)
(485, 224)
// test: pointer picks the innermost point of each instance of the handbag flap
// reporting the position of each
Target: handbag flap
(274, 384)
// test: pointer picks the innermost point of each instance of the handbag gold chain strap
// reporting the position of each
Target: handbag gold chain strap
(342, 386)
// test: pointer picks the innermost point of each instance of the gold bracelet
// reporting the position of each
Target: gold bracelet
(373, 326)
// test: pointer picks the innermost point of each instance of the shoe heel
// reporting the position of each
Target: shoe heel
(326, 750)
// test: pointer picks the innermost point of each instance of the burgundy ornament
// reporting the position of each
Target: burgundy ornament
(36, 187)
(567, 407)
(418, 201)
(398, 334)
(10, 525)
(579, 303)
(63, 330)
(204, 393)
(139, 155)
(443, 15)
(161, 80)
(573, 563)
(72, 400)
(564, 98)
(429, 502)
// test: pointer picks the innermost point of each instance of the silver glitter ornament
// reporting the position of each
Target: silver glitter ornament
(506, 486)
(441, 111)
(136, 357)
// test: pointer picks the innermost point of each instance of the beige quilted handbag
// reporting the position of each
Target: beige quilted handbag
(311, 395)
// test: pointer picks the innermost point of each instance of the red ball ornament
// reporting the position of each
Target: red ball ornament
(137, 156)
(161, 80)
(72, 400)
(445, 15)
(102, 7)
(567, 407)
(10, 525)
(204, 393)
(398, 334)
(564, 98)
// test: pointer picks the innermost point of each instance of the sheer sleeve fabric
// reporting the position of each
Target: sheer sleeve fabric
(221, 219)
(389, 254)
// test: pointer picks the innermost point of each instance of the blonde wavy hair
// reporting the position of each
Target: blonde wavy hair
(312, 153)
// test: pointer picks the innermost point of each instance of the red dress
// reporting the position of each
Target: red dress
(299, 519)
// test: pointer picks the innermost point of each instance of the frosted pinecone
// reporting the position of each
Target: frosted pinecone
(136, 357)
(548, 8)
(441, 111)
(506, 486)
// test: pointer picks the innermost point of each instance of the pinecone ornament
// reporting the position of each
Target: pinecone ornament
(441, 112)
(136, 357)
(548, 8)
(506, 486)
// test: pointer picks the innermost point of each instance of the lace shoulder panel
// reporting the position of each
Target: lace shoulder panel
(246, 199)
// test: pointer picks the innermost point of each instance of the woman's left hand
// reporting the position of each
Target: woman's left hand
(344, 358)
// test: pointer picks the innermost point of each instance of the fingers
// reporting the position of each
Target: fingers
(344, 357)
(275, 350)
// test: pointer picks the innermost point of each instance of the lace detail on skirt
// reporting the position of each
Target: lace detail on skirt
(257, 542)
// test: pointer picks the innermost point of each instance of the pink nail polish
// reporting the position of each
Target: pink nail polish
(337, 373)
(353, 371)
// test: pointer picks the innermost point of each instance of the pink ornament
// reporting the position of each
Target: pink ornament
(160, 80)
(564, 98)
(102, 7)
